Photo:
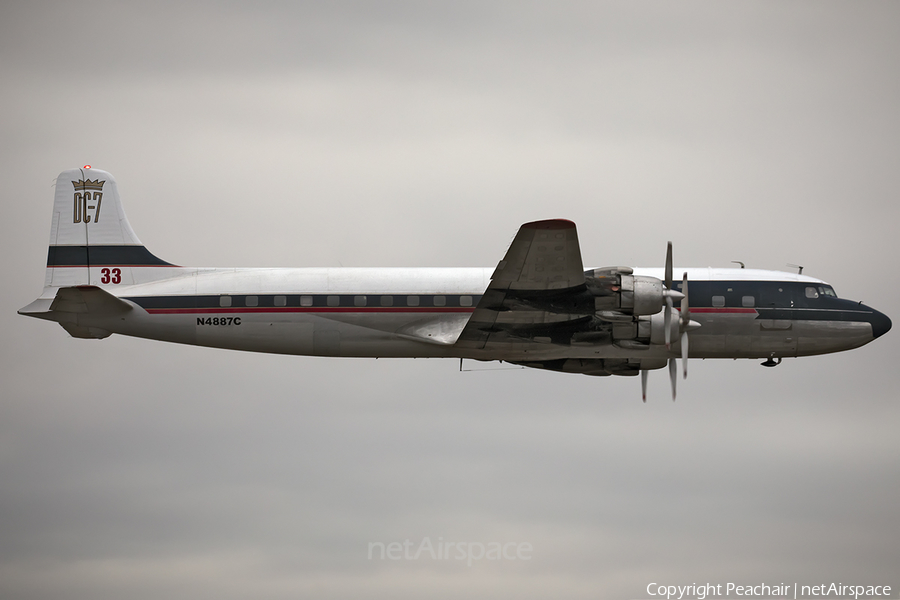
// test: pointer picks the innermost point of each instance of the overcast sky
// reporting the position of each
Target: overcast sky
(423, 134)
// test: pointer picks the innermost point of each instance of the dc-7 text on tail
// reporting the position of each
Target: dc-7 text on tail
(538, 308)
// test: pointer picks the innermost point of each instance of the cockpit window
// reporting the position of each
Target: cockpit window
(811, 292)
(827, 290)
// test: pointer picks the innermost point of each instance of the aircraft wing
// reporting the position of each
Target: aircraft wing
(533, 294)
(544, 255)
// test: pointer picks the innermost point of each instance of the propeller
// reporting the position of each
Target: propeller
(668, 295)
(673, 375)
(644, 374)
(684, 324)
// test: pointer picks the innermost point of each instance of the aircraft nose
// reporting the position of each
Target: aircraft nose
(880, 322)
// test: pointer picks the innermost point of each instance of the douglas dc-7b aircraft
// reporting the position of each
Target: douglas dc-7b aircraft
(538, 308)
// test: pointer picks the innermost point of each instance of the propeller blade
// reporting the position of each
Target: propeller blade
(669, 266)
(668, 322)
(685, 321)
(644, 374)
(673, 375)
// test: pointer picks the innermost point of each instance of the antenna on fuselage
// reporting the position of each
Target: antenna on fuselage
(738, 262)
(798, 267)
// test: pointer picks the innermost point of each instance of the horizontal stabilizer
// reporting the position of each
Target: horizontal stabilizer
(39, 307)
(72, 305)
(88, 299)
(85, 333)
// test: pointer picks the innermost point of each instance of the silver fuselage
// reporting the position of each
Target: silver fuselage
(418, 312)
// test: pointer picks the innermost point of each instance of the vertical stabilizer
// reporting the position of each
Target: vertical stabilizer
(91, 241)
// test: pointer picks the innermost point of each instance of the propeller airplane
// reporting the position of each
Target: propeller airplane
(539, 307)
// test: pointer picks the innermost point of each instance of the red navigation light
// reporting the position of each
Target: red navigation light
(86, 167)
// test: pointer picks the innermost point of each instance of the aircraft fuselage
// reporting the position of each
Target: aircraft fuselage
(390, 312)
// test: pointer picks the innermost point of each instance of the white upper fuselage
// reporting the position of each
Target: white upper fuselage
(386, 280)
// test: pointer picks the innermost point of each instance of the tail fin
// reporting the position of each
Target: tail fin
(91, 241)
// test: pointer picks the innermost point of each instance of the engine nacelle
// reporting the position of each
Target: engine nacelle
(617, 289)
(641, 295)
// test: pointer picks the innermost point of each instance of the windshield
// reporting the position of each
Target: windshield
(821, 290)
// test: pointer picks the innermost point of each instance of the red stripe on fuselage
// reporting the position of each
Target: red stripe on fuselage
(369, 309)
(311, 309)
(723, 310)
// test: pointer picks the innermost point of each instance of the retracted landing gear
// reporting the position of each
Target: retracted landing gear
(771, 362)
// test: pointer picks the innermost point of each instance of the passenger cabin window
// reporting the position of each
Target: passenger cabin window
(333, 301)
(281, 300)
(440, 301)
(387, 300)
(718, 301)
(359, 300)
(748, 301)
(306, 301)
(465, 300)
(811, 292)
(251, 301)
(412, 300)
(224, 300)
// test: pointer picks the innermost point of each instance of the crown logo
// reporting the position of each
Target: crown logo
(83, 184)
